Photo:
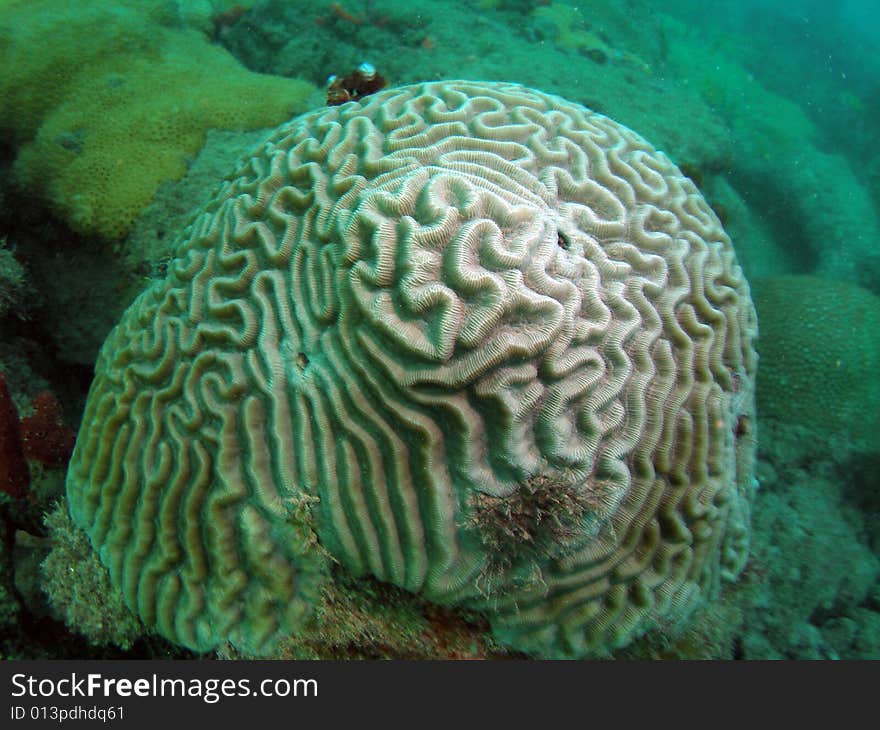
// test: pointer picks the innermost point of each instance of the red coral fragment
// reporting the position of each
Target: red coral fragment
(44, 435)
(15, 477)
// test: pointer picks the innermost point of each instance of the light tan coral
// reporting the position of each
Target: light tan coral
(490, 346)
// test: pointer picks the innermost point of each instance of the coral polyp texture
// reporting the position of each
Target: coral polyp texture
(472, 339)
(816, 331)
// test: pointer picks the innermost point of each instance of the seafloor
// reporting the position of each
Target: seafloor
(772, 111)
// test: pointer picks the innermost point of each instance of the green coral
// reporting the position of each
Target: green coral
(118, 102)
(820, 354)
(79, 587)
(12, 280)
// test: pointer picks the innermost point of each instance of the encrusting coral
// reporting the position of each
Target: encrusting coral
(79, 587)
(117, 102)
(572, 32)
(820, 342)
(472, 339)
(14, 474)
(13, 281)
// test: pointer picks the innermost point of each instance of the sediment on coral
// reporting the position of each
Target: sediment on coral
(365, 619)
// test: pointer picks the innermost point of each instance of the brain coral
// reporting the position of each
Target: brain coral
(472, 339)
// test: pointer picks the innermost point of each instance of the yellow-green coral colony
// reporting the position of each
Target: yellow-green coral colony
(102, 124)
(467, 337)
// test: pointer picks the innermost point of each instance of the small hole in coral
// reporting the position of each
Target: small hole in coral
(562, 241)
(302, 361)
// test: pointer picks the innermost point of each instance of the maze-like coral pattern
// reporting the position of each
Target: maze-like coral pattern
(483, 343)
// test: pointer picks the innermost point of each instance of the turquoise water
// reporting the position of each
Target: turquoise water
(139, 109)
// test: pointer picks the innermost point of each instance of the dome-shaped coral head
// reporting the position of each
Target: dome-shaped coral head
(475, 340)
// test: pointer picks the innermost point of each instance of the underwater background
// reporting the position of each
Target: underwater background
(118, 119)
